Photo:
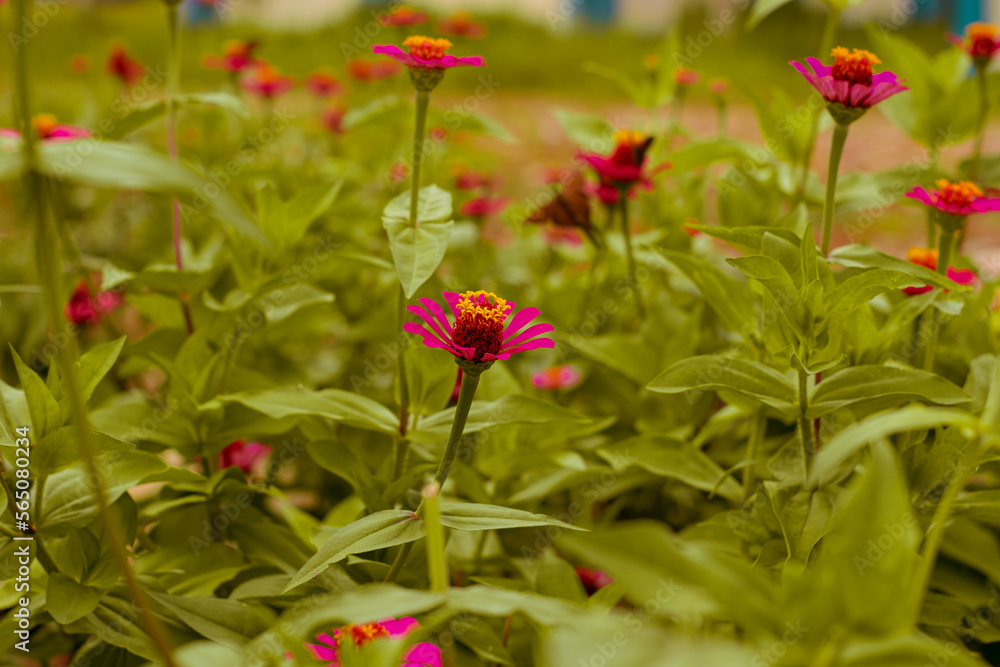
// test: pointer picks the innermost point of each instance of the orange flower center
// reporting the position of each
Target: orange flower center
(427, 48)
(685, 77)
(44, 124)
(238, 48)
(481, 317)
(403, 11)
(926, 257)
(958, 194)
(363, 633)
(629, 138)
(981, 39)
(461, 19)
(853, 66)
(267, 74)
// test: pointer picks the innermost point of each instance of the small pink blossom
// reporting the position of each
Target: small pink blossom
(556, 377)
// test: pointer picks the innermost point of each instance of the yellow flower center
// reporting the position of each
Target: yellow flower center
(958, 194)
(237, 47)
(44, 124)
(630, 138)
(479, 304)
(853, 66)
(981, 31)
(363, 633)
(427, 48)
(481, 316)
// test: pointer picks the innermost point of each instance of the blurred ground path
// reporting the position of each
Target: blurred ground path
(874, 145)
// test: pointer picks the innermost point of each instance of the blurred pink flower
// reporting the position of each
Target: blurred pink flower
(483, 207)
(593, 580)
(247, 456)
(427, 53)
(86, 308)
(368, 70)
(323, 84)
(980, 41)
(958, 199)
(460, 24)
(556, 377)
(929, 258)
(48, 130)
(237, 56)
(333, 119)
(685, 77)
(123, 66)
(470, 179)
(403, 15)
(266, 81)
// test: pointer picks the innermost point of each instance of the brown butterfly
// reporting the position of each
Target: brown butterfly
(569, 208)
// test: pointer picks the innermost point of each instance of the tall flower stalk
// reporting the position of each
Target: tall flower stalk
(950, 205)
(428, 60)
(480, 336)
(172, 91)
(981, 43)
(850, 87)
(67, 357)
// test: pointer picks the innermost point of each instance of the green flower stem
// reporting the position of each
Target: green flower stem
(757, 425)
(805, 424)
(935, 533)
(437, 563)
(722, 109)
(825, 45)
(984, 111)
(946, 245)
(47, 252)
(172, 90)
(423, 101)
(836, 150)
(627, 235)
(470, 381)
(402, 445)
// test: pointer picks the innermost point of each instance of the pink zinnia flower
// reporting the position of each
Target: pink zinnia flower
(403, 15)
(247, 456)
(483, 207)
(460, 24)
(851, 80)
(469, 179)
(333, 119)
(929, 258)
(718, 86)
(86, 308)
(958, 199)
(360, 635)
(478, 334)
(48, 130)
(626, 164)
(323, 84)
(556, 377)
(593, 580)
(123, 66)
(265, 81)
(237, 56)
(398, 172)
(980, 41)
(685, 77)
(367, 70)
(554, 234)
(427, 53)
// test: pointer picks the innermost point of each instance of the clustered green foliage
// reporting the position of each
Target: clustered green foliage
(760, 461)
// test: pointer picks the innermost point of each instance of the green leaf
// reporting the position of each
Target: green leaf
(730, 300)
(716, 372)
(138, 118)
(905, 651)
(417, 251)
(866, 257)
(371, 112)
(286, 222)
(131, 167)
(705, 152)
(761, 10)
(42, 405)
(473, 516)
(342, 406)
(96, 362)
(778, 282)
(376, 531)
(61, 448)
(341, 461)
(219, 99)
(865, 384)
(509, 409)
(591, 132)
(747, 238)
(858, 290)
(856, 436)
(229, 622)
(671, 458)
(69, 601)
(619, 78)
(11, 162)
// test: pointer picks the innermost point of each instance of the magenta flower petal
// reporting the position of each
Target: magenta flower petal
(431, 322)
(531, 345)
(519, 321)
(920, 194)
(818, 67)
(430, 338)
(400, 628)
(424, 654)
(529, 333)
(438, 313)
